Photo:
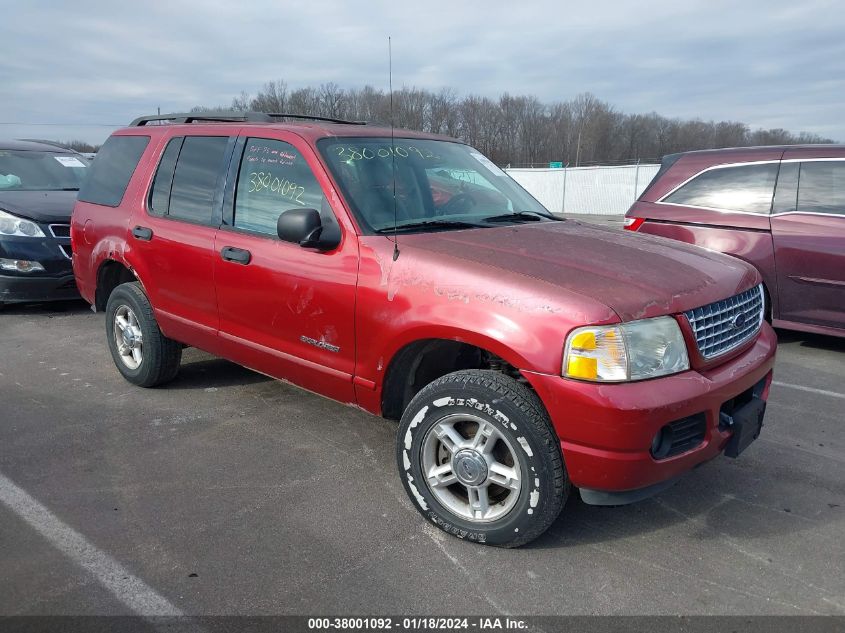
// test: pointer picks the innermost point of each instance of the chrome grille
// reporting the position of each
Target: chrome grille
(727, 324)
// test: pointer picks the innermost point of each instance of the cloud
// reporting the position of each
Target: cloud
(92, 62)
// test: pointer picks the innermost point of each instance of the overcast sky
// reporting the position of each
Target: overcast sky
(85, 65)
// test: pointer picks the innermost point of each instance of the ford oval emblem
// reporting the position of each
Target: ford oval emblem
(739, 321)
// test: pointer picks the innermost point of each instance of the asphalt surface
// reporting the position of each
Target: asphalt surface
(230, 493)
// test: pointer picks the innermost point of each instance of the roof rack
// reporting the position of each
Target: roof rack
(233, 116)
(190, 117)
(311, 117)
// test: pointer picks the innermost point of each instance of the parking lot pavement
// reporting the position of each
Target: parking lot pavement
(228, 492)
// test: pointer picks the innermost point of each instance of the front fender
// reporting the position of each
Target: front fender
(420, 297)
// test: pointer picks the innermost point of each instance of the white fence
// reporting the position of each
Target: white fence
(596, 190)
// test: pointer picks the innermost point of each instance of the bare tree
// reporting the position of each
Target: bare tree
(272, 98)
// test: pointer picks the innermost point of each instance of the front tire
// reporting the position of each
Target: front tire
(479, 459)
(142, 354)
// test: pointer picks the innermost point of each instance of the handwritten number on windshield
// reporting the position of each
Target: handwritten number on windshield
(349, 153)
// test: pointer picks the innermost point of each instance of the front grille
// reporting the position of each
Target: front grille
(66, 250)
(727, 324)
(60, 230)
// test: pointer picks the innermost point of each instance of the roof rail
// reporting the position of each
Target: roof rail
(312, 117)
(189, 117)
(224, 116)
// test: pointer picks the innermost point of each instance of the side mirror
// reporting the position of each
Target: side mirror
(303, 227)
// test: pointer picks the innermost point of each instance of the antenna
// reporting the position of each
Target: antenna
(392, 146)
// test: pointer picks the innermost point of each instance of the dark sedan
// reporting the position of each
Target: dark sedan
(38, 186)
(779, 208)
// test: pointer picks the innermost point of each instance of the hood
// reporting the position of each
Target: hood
(638, 276)
(42, 206)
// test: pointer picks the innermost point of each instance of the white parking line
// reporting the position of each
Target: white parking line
(823, 392)
(133, 592)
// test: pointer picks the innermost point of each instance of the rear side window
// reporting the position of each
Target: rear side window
(746, 188)
(821, 187)
(112, 169)
(195, 181)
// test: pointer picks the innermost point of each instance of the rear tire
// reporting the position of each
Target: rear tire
(142, 354)
(479, 459)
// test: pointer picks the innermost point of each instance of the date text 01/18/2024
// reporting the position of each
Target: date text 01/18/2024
(418, 623)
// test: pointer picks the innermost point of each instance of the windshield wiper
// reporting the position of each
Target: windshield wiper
(431, 224)
(524, 216)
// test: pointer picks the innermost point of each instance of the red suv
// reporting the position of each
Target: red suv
(406, 274)
(779, 208)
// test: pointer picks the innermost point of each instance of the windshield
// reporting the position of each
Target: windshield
(40, 171)
(438, 184)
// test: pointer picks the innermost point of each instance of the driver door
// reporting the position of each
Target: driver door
(285, 310)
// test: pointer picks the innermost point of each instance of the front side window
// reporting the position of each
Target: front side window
(196, 178)
(745, 188)
(274, 178)
(422, 181)
(821, 187)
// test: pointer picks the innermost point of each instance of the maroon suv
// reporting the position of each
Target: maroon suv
(779, 208)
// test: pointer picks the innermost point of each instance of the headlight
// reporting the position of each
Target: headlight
(21, 265)
(628, 351)
(18, 227)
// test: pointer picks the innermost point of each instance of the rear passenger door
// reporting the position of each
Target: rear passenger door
(174, 237)
(808, 228)
(285, 310)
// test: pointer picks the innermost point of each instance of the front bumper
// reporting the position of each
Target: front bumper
(30, 288)
(56, 282)
(606, 430)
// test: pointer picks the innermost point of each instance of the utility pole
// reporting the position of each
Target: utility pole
(578, 146)
(636, 179)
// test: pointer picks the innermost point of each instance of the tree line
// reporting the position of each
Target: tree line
(519, 130)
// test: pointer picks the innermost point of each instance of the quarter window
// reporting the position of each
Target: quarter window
(197, 177)
(746, 188)
(821, 187)
(112, 169)
(274, 178)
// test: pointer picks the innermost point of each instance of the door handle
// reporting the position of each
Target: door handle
(142, 233)
(237, 255)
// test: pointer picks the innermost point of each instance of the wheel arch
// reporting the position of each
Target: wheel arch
(421, 361)
(110, 274)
